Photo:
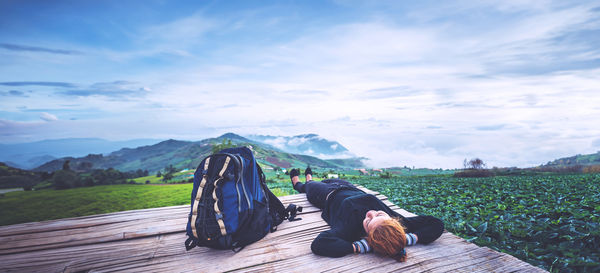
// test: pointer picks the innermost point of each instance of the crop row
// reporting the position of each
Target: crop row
(550, 221)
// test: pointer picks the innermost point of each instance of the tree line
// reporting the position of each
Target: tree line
(65, 178)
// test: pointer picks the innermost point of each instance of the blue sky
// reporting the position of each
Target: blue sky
(424, 84)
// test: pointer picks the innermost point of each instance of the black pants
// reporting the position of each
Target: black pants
(317, 191)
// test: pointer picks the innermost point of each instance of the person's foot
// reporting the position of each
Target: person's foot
(308, 173)
(294, 173)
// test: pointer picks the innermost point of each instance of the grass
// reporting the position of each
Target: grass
(32, 206)
(40, 205)
(152, 178)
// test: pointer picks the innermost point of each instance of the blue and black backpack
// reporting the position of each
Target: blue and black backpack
(231, 203)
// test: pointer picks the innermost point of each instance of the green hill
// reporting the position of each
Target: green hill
(188, 154)
(16, 178)
(584, 160)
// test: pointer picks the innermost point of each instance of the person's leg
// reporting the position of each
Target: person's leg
(308, 173)
(316, 191)
(297, 185)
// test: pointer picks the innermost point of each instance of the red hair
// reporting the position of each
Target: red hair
(388, 239)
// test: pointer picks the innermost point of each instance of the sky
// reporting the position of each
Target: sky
(415, 83)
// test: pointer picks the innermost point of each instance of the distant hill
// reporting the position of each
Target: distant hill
(584, 160)
(11, 177)
(307, 144)
(32, 154)
(188, 154)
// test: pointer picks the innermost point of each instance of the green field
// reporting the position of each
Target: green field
(30, 206)
(551, 221)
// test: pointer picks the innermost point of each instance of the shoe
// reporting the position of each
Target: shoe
(294, 172)
(308, 171)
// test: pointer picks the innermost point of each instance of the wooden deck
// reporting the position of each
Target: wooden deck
(151, 240)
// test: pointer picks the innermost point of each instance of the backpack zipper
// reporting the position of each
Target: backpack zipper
(237, 189)
(244, 186)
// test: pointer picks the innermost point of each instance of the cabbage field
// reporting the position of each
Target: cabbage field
(550, 221)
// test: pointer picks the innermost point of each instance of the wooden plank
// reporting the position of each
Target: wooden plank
(152, 240)
(107, 227)
(117, 227)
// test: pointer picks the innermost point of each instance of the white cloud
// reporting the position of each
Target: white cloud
(183, 31)
(48, 117)
(409, 92)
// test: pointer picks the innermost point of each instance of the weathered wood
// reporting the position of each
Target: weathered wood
(151, 240)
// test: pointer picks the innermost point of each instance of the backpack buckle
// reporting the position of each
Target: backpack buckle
(219, 216)
(291, 211)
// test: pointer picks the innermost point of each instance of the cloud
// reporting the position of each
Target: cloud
(230, 105)
(14, 93)
(50, 84)
(179, 33)
(39, 49)
(109, 89)
(391, 92)
(490, 127)
(48, 117)
(305, 92)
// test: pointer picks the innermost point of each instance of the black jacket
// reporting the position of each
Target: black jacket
(345, 212)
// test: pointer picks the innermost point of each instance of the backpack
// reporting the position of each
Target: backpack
(231, 204)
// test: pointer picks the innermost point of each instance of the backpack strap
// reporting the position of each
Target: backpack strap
(218, 213)
(198, 196)
(277, 211)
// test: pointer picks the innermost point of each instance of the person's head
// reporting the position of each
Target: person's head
(385, 235)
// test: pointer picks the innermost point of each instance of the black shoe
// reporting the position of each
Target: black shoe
(308, 171)
(294, 172)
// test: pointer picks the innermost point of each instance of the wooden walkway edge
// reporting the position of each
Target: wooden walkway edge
(151, 240)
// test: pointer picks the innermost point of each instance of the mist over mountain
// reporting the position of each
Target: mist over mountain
(306, 144)
(32, 154)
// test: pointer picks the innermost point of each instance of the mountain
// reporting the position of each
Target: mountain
(187, 155)
(32, 154)
(11, 177)
(307, 144)
(589, 159)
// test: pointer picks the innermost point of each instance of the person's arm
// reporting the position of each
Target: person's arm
(426, 228)
(328, 244)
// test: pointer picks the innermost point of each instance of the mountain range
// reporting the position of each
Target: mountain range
(32, 154)
(187, 154)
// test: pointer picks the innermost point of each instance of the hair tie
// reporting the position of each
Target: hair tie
(400, 254)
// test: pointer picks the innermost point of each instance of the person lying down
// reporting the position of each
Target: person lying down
(360, 222)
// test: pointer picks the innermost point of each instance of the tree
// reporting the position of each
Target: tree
(88, 181)
(158, 174)
(64, 179)
(168, 176)
(170, 169)
(66, 166)
(85, 166)
(475, 164)
(226, 143)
